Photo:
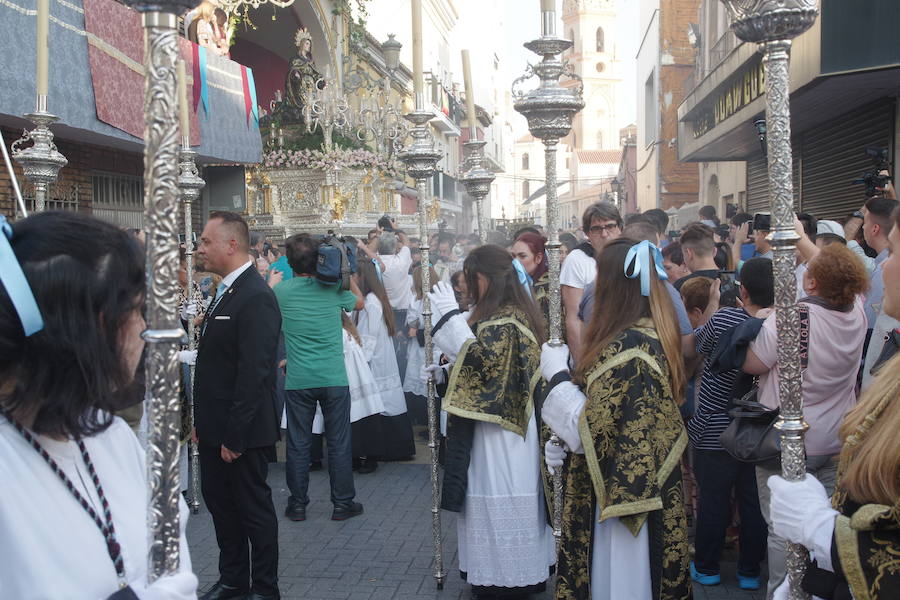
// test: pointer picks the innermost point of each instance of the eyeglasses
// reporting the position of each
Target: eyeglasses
(607, 229)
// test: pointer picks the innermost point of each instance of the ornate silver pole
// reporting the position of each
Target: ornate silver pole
(477, 180)
(773, 24)
(41, 161)
(164, 332)
(550, 109)
(420, 159)
(190, 183)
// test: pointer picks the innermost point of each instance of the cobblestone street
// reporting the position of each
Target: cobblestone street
(384, 553)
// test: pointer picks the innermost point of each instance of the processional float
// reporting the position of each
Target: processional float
(772, 24)
(164, 333)
(550, 109)
(420, 159)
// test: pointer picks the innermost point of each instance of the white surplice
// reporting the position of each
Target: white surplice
(504, 537)
(378, 349)
(365, 399)
(415, 383)
(53, 550)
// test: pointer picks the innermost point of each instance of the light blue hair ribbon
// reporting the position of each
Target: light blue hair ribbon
(524, 277)
(377, 270)
(13, 279)
(638, 260)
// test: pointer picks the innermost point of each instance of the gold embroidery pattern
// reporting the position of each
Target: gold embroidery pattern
(633, 438)
(495, 374)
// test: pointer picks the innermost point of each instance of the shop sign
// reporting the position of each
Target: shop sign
(742, 88)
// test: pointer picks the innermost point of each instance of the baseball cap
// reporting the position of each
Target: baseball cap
(832, 227)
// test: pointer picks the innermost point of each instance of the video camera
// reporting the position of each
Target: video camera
(336, 261)
(874, 181)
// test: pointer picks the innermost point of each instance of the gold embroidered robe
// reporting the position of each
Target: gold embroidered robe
(633, 438)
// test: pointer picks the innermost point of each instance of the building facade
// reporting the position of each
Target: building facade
(845, 81)
(665, 62)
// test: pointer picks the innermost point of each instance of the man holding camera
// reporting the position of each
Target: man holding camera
(311, 322)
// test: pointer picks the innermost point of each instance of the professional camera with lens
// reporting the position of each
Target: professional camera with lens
(876, 180)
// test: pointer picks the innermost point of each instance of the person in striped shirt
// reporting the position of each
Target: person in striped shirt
(717, 472)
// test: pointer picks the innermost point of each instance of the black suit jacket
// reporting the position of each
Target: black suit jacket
(234, 380)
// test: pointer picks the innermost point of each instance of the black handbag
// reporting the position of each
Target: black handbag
(751, 436)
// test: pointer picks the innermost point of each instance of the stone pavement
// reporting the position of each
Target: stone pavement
(384, 553)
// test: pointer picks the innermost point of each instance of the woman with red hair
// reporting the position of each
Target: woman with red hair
(528, 249)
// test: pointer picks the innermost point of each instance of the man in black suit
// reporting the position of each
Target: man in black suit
(234, 413)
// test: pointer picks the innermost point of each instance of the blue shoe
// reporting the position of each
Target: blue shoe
(703, 579)
(748, 583)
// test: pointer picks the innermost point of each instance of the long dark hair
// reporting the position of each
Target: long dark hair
(619, 304)
(87, 277)
(503, 289)
(370, 284)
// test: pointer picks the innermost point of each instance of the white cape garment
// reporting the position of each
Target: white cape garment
(365, 400)
(378, 349)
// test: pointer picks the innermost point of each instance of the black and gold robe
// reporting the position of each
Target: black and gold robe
(865, 546)
(492, 381)
(633, 438)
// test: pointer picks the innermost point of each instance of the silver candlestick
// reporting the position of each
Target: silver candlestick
(41, 161)
(421, 158)
(190, 183)
(773, 24)
(550, 109)
(164, 332)
(477, 180)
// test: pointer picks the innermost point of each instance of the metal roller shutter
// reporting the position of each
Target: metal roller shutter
(835, 154)
(758, 181)
(757, 185)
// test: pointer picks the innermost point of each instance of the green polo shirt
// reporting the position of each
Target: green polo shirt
(311, 323)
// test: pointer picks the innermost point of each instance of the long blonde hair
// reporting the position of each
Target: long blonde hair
(619, 304)
(870, 459)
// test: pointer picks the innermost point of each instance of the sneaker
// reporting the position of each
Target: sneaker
(748, 583)
(346, 511)
(295, 511)
(704, 579)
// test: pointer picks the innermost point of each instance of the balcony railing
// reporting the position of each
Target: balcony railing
(721, 49)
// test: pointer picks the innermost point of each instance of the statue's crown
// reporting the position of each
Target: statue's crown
(302, 34)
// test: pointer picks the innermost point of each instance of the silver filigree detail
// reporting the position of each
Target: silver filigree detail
(190, 184)
(477, 180)
(550, 109)
(164, 332)
(773, 23)
(420, 158)
(41, 161)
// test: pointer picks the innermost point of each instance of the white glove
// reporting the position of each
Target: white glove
(188, 311)
(553, 360)
(188, 357)
(439, 374)
(554, 455)
(181, 585)
(801, 513)
(443, 300)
